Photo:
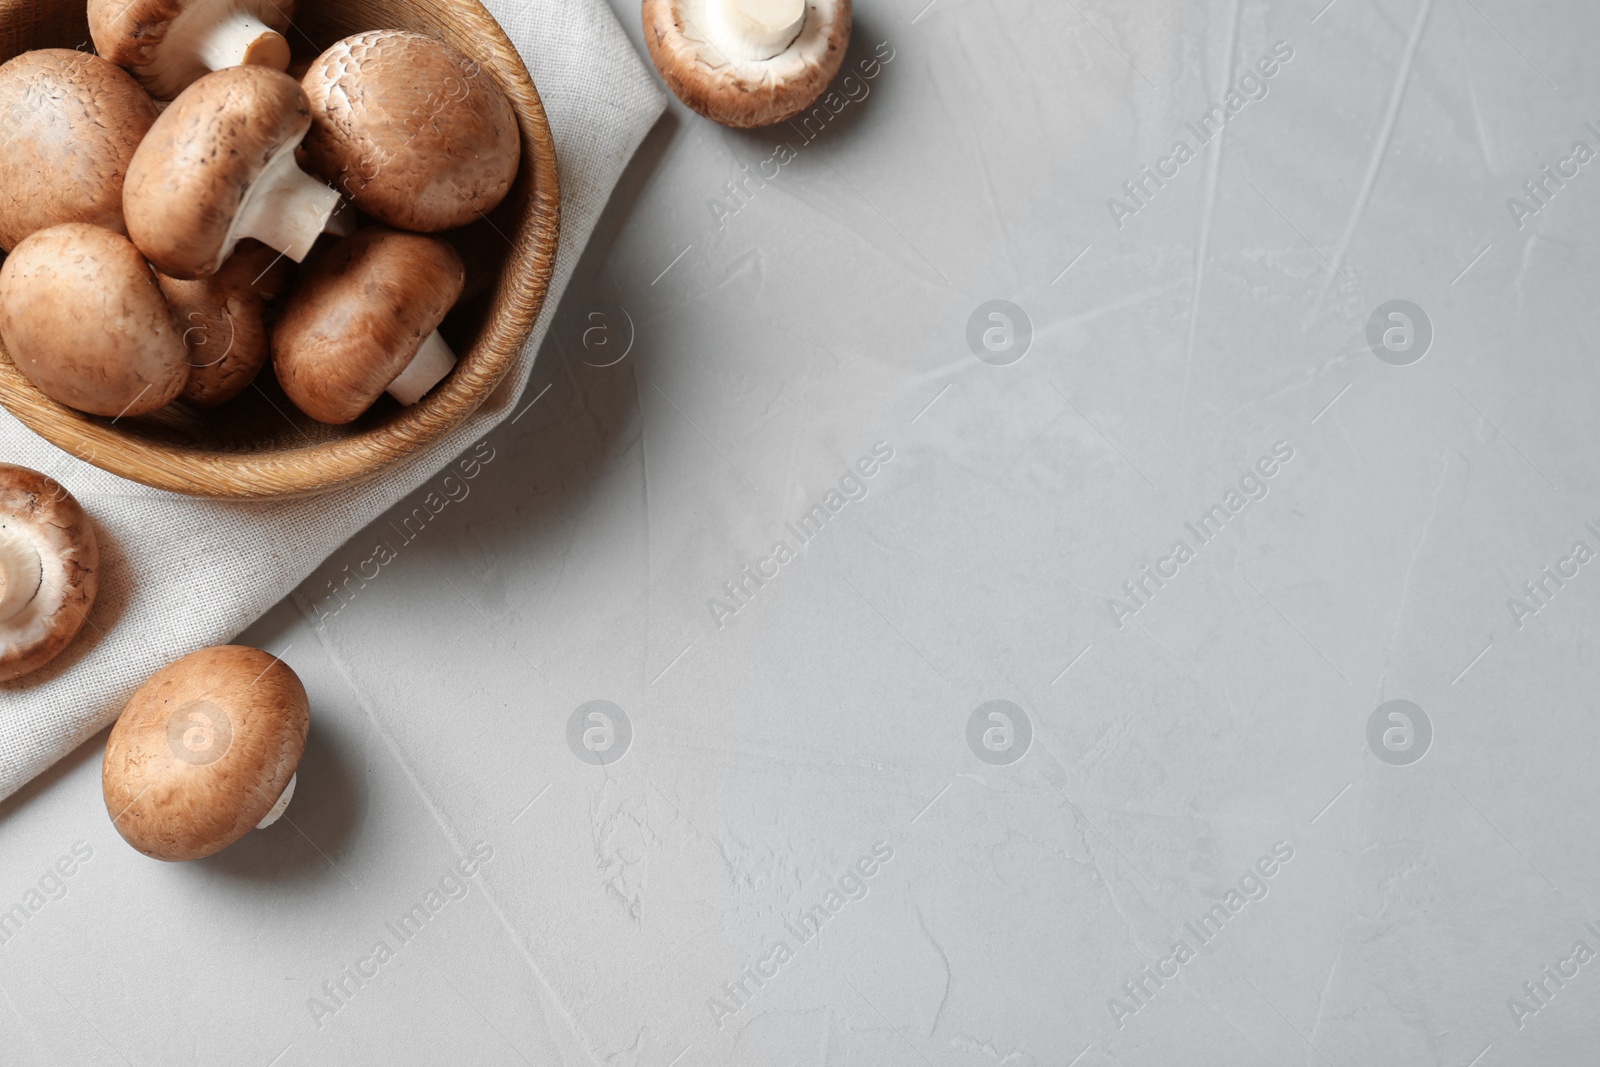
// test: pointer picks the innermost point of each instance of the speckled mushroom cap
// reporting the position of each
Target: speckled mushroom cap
(83, 319)
(39, 516)
(740, 92)
(152, 38)
(356, 319)
(188, 180)
(415, 133)
(203, 751)
(69, 124)
(223, 319)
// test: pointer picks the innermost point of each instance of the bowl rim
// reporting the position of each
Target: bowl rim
(518, 299)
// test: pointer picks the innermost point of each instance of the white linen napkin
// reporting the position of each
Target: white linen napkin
(179, 574)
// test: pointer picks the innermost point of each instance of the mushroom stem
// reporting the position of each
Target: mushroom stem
(431, 365)
(237, 39)
(285, 208)
(281, 806)
(755, 30)
(21, 573)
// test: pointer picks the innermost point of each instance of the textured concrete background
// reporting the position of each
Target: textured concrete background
(1199, 505)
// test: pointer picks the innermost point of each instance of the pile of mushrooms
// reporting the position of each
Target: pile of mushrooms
(160, 195)
(156, 202)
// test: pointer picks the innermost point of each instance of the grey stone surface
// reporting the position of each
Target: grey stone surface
(1197, 533)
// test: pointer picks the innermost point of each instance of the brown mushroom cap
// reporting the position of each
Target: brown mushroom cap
(83, 319)
(415, 133)
(69, 124)
(39, 516)
(164, 43)
(203, 751)
(738, 92)
(223, 319)
(188, 181)
(359, 315)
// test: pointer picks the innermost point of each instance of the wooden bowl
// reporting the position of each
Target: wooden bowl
(260, 446)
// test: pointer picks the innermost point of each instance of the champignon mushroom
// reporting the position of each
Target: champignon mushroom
(71, 122)
(205, 751)
(415, 133)
(224, 324)
(49, 570)
(169, 44)
(747, 63)
(84, 320)
(218, 166)
(364, 320)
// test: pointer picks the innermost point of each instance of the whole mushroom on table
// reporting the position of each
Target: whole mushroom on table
(747, 63)
(206, 751)
(49, 570)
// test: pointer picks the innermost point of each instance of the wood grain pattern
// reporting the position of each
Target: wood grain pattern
(259, 446)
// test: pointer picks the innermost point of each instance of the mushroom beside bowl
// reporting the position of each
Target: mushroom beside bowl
(261, 446)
